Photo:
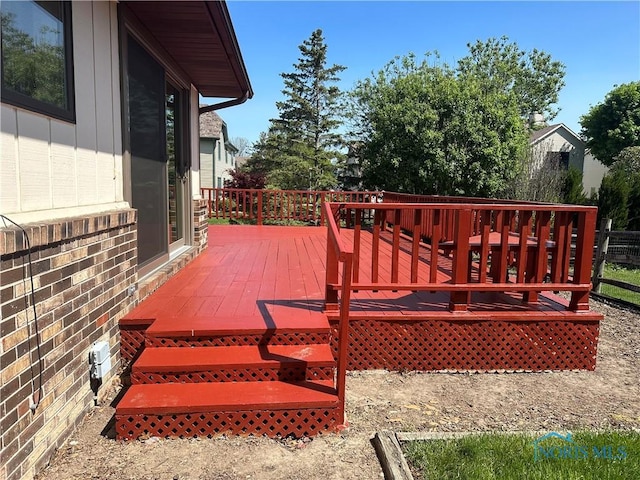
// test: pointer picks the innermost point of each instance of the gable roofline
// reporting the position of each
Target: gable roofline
(543, 133)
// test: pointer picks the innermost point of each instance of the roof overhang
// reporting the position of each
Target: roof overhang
(199, 37)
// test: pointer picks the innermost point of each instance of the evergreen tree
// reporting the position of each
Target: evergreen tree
(613, 199)
(302, 146)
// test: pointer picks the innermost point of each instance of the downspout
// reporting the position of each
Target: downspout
(228, 103)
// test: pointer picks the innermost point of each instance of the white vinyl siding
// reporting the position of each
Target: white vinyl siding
(52, 168)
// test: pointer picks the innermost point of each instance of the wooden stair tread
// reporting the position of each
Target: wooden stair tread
(198, 326)
(174, 398)
(170, 359)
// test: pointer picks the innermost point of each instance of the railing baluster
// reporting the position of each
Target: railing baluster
(375, 244)
(485, 231)
(559, 237)
(436, 234)
(395, 251)
(566, 260)
(523, 249)
(415, 247)
(356, 245)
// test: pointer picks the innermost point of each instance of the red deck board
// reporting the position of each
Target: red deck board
(169, 398)
(257, 278)
(167, 359)
(205, 325)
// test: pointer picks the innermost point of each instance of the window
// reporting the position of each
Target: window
(219, 182)
(560, 159)
(37, 58)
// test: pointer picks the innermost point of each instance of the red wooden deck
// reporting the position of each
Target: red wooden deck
(251, 311)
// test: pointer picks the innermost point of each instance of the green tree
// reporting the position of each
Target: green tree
(572, 189)
(613, 198)
(302, 145)
(425, 129)
(33, 66)
(532, 76)
(614, 124)
(627, 168)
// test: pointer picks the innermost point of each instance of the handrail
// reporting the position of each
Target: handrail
(339, 251)
(535, 240)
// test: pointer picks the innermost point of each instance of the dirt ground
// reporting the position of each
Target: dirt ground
(608, 398)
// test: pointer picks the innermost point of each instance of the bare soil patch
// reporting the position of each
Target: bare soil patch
(607, 398)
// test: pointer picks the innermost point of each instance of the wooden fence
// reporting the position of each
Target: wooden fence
(615, 247)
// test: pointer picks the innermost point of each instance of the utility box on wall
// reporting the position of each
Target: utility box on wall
(100, 360)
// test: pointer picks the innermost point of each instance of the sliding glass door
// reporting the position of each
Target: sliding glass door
(157, 139)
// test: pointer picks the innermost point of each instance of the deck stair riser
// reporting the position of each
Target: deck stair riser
(229, 332)
(292, 363)
(274, 409)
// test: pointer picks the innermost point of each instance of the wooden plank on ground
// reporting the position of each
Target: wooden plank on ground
(393, 463)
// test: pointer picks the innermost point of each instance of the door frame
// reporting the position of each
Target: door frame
(128, 24)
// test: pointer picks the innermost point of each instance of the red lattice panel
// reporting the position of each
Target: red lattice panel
(285, 374)
(131, 343)
(279, 338)
(278, 423)
(470, 345)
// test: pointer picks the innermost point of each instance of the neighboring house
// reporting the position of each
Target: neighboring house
(562, 144)
(100, 167)
(593, 172)
(242, 160)
(217, 154)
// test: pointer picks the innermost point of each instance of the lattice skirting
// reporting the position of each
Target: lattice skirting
(131, 342)
(277, 338)
(470, 345)
(277, 423)
(283, 374)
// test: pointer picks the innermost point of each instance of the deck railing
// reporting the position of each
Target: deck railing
(339, 257)
(278, 206)
(484, 247)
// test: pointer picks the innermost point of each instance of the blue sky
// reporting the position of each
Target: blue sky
(599, 43)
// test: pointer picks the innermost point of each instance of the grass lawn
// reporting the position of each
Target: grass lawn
(629, 275)
(590, 455)
(218, 221)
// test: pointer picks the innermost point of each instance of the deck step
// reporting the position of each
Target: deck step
(207, 409)
(205, 331)
(234, 364)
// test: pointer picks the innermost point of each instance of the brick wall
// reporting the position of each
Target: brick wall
(82, 268)
(200, 224)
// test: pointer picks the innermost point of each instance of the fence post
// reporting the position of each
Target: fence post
(601, 253)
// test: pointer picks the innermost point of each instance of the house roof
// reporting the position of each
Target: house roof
(539, 135)
(210, 125)
(199, 37)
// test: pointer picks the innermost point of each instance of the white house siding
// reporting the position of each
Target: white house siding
(207, 150)
(592, 174)
(561, 141)
(52, 168)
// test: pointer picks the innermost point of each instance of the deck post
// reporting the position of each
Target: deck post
(343, 333)
(584, 257)
(459, 301)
